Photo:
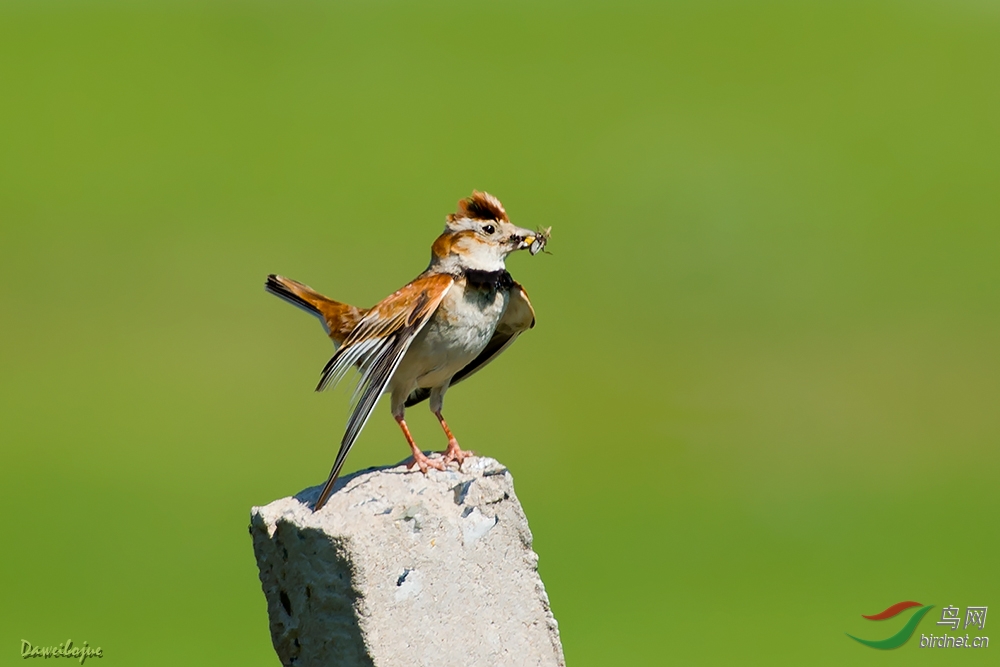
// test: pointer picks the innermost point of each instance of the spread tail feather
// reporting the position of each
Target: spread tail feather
(339, 319)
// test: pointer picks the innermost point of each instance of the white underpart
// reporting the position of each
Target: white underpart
(455, 335)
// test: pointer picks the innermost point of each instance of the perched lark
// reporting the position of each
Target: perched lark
(442, 327)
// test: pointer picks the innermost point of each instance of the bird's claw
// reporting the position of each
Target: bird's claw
(456, 453)
(424, 462)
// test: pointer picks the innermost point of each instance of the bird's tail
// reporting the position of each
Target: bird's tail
(339, 319)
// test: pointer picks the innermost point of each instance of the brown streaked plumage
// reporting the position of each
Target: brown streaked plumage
(439, 329)
(407, 307)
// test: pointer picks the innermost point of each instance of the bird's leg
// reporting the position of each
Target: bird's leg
(454, 452)
(419, 458)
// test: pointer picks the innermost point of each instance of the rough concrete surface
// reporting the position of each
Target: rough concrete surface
(401, 568)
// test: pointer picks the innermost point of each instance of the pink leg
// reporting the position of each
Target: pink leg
(419, 459)
(454, 452)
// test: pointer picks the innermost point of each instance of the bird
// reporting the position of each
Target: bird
(434, 332)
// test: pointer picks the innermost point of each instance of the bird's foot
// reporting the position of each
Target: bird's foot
(456, 453)
(424, 462)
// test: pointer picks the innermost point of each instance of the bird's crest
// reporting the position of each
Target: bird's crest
(480, 206)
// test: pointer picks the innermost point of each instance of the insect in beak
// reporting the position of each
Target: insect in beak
(537, 242)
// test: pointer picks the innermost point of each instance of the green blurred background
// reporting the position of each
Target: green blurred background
(763, 395)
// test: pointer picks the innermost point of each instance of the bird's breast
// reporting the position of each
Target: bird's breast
(457, 332)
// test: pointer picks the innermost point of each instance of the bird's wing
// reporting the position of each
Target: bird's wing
(518, 317)
(377, 345)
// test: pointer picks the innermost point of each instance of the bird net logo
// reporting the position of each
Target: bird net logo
(974, 618)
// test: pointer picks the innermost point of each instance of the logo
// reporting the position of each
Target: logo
(950, 616)
(901, 637)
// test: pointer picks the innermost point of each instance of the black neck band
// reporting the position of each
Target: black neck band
(491, 280)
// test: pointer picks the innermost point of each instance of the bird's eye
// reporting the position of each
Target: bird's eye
(489, 229)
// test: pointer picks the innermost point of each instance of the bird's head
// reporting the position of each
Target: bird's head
(479, 236)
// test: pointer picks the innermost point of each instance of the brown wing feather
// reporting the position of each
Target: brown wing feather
(402, 309)
(518, 317)
(376, 347)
